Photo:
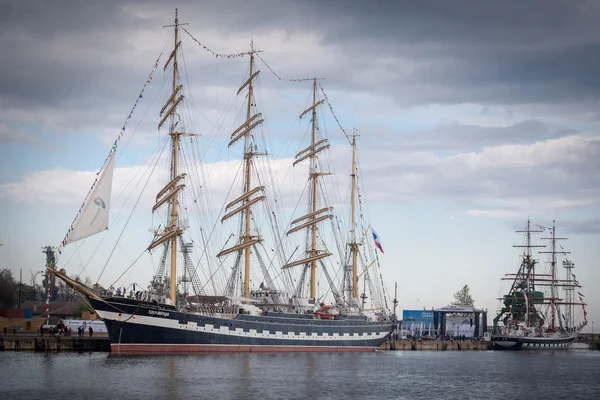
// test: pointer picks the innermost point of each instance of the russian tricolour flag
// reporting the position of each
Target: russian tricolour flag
(376, 238)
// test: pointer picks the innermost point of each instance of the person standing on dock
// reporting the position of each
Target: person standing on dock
(91, 331)
(14, 331)
(5, 330)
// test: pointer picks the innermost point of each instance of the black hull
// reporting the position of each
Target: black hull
(140, 327)
(531, 343)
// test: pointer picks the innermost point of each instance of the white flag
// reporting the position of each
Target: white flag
(94, 217)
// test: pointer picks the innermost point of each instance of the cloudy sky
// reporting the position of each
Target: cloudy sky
(473, 116)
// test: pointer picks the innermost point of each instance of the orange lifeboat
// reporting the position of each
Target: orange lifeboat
(326, 312)
(323, 315)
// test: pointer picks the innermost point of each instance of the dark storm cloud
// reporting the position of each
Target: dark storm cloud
(38, 36)
(459, 137)
(42, 18)
(472, 23)
(460, 51)
(502, 52)
(489, 52)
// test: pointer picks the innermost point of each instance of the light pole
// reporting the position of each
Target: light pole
(20, 285)
(592, 331)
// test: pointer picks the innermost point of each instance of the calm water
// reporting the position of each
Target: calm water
(383, 375)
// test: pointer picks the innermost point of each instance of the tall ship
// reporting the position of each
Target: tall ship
(232, 294)
(544, 309)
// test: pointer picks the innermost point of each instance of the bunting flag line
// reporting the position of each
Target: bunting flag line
(279, 77)
(333, 113)
(581, 294)
(218, 55)
(235, 55)
(48, 276)
(359, 195)
(304, 80)
(110, 154)
(563, 251)
(575, 279)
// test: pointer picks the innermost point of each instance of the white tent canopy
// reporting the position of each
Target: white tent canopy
(457, 309)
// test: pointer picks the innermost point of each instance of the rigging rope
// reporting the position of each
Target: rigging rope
(117, 218)
(122, 191)
(110, 154)
(132, 211)
(304, 80)
(279, 77)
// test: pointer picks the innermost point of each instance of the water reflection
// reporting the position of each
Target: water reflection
(300, 375)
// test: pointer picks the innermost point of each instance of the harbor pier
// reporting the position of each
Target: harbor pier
(25, 342)
(28, 342)
(436, 345)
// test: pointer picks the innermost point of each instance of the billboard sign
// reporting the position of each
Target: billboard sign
(454, 308)
(418, 315)
(418, 323)
(97, 326)
(460, 326)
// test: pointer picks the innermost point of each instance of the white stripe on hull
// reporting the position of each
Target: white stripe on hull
(225, 330)
(215, 348)
(506, 344)
(541, 343)
(546, 346)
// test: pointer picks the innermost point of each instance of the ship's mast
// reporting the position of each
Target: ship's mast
(248, 158)
(174, 172)
(363, 296)
(315, 177)
(553, 282)
(353, 244)
(395, 302)
(314, 254)
(529, 271)
(553, 277)
(246, 199)
(169, 194)
(569, 290)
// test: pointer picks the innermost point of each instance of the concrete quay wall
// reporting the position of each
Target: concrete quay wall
(101, 343)
(68, 343)
(409, 345)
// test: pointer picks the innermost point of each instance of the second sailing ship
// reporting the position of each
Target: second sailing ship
(540, 311)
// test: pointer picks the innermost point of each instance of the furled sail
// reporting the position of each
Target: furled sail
(94, 217)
